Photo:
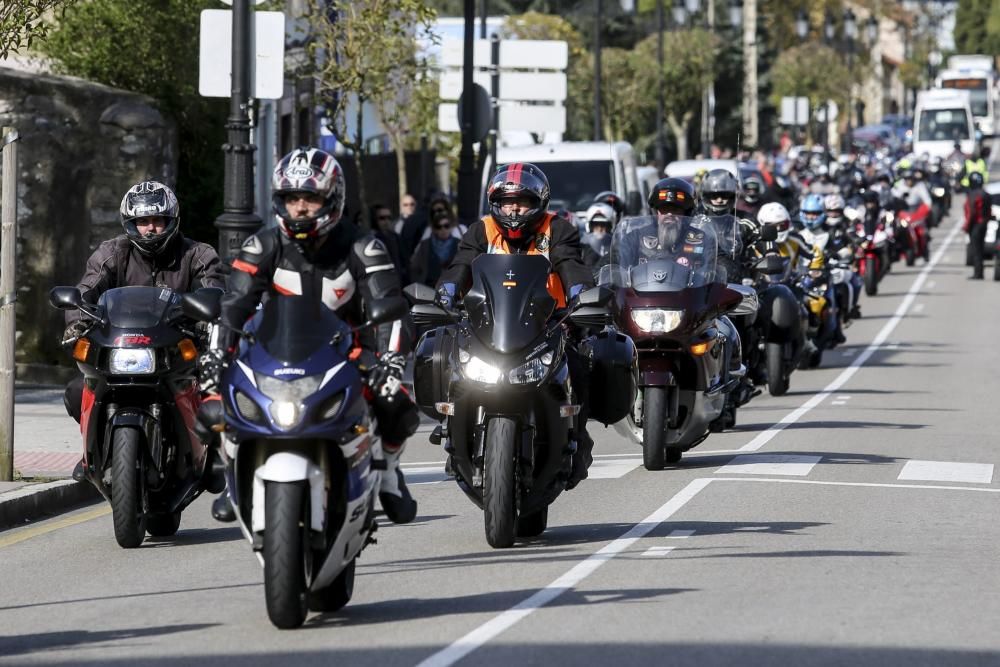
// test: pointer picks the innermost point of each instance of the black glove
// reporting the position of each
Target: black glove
(386, 377)
(446, 296)
(74, 331)
(210, 366)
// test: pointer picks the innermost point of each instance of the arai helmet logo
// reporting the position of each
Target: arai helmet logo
(290, 371)
(299, 171)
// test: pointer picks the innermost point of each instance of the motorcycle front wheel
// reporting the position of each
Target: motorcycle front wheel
(777, 380)
(871, 279)
(654, 432)
(126, 487)
(499, 487)
(285, 564)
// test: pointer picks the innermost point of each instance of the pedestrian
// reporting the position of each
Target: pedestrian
(434, 254)
(382, 226)
(410, 226)
(977, 213)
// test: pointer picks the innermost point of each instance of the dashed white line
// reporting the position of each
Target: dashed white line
(680, 534)
(919, 308)
(770, 464)
(946, 471)
(656, 552)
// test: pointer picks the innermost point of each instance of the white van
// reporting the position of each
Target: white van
(577, 171)
(943, 117)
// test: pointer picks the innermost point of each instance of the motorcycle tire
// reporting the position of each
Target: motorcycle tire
(815, 359)
(285, 586)
(534, 524)
(126, 487)
(996, 268)
(499, 483)
(911, 256)
(926, 254)
(163, 525)
(654, 432)
(777, 380)
(335, 596)
(871, 280)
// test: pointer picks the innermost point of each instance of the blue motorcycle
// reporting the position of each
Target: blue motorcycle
(303, 461)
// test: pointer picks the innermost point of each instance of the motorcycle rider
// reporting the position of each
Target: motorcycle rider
(519, 223)
(718, 201)
(614, 201)
(977, 214)
(841, 247)
(152, 252)
(596, 243)
(976, 166)
(749, 204)
(812, 215)
(313, 254)
(910, 190)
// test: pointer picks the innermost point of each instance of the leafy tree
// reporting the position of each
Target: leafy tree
(812, 71)
(365, 51)
(688, 66)
(977, 27)
(145, 46)
(22, 22)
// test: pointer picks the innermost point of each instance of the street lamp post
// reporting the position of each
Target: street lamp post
(598, 20)
(850, 34)
(801, 30)
(933, 62)
(660, 154)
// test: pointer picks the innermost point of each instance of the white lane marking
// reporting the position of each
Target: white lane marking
(844, 397)
(611, 469)
(944, 471)
(423, 464)
(472, 640)
(656, 552)
(764, 437)
(839, 403)
(932, 284)
(891, 346)
(680, 534)
(919, 308)
(770, 464)
(870, 485)
(849, 352)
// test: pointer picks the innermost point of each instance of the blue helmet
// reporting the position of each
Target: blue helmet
(812, 214)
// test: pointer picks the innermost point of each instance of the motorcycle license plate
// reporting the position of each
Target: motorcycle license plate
(991, 231)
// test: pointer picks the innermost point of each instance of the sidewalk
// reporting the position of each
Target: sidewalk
(46, 440)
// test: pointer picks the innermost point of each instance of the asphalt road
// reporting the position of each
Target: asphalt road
(853, 521)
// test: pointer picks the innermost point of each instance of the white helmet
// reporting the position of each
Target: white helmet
(777, 215)
(600, 212)
(834, 206)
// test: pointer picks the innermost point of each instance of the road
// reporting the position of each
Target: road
(853, 521)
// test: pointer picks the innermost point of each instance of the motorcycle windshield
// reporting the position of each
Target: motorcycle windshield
(726, 234)
(291, 329)
(509, 302)
(662, 254)
(137, 307)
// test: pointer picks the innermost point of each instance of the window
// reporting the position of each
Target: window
(943, 125)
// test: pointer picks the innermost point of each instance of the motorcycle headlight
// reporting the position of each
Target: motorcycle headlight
(937, 192)
(479, 371)
(531, 371)
(287, 396)
(132, 361)
(657, 320)
(285, 413)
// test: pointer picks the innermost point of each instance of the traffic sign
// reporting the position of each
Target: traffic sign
(514, 53)
(215, 53)
(520, 86)
(514, 117)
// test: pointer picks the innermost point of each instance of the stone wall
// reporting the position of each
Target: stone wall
(82, 146)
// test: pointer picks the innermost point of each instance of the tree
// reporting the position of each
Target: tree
(365, 51)
(22, 22)
(144, 46)
(688, 66)
(977, 27)
(812, 71)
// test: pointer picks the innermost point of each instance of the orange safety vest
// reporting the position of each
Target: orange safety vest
(497, 245)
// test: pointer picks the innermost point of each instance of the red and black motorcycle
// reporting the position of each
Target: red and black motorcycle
(140, 398)
(911, 232)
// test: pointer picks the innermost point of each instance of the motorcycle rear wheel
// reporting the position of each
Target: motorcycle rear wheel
(163, 525)
(285, 586)
(777, 380)
(337, 594)
(534, 524)
(871, 279)
(911, 256)
(499, 484)
(654, 433)
(126, 487)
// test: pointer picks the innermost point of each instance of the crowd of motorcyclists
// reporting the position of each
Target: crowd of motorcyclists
(799, 245)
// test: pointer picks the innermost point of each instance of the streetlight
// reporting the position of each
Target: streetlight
(850, 34)
(680, 14)
(692, 6)
(801, 30)
(871, 29)
(933, 61)
(735, 13)
(829, 28)
(802, 24)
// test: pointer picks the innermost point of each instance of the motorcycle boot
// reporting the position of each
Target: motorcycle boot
(582, 459)
(393, 493)
(222, 509)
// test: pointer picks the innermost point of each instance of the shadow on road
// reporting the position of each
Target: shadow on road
(847, 425)
(146, 594)
(195, 536)
(47, 641)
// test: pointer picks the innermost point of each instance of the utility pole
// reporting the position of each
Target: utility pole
(598, 20)
(750, 115)
(708, 97)
(468, 189)
(661, 153)
(238, 219)
(8, 270)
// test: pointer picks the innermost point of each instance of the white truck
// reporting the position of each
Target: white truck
(578, 171)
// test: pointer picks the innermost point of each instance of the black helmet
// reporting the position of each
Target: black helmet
(311, 171)
(150, 199)
(753, 188)
(674, 191)
(610, 198)
(975, 180)
(716, 184)
(520, 179)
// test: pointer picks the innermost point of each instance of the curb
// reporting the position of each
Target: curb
(37, 500)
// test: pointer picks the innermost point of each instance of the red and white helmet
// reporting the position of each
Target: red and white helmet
(314, 171)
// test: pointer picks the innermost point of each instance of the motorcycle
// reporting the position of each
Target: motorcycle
(940, 196)
(496, 374)
(911, 225)
(303, 463)
(671, 306)
(140, 398)
(872, 259)
(814, 290)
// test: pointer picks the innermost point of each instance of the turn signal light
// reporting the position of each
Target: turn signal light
(698, 349)
(188, 350)
(81, 350)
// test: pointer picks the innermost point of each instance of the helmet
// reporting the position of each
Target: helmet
(519, 179)
(811, 213)
(602, 214)
(718, 183)
(834, 206)
(906, 174)
(975, 180)
(609, 197)
(312, 171)
(753, 188)
(858, 179)
(870, 198)
(145, 200)
(674, 191)
(777, 215)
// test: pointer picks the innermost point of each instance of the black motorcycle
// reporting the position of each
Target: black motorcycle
(140, 400)
(496, 374)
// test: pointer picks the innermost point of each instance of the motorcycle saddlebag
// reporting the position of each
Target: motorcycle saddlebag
(431, 372)
(610, 359)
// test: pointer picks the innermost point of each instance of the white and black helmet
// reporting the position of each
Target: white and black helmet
(776, 215)
(314, 171)
(150, 199)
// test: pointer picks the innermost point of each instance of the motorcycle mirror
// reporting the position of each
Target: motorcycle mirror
(203, 305)
(385, 310)
(418, 293)
(748, 303)
(595, 296)
(65, 298)
(769, 233)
